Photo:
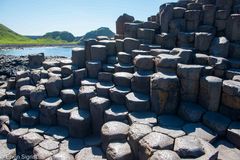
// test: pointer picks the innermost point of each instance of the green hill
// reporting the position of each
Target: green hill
(7, 36)
(103, 31)
(65, 36)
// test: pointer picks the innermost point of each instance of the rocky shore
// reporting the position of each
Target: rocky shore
(9, 64)
(11, 46)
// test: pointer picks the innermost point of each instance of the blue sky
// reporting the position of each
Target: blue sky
(36, 17)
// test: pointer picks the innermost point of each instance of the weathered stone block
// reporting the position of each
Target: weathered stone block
(98, 105)
(203, 41)
(78, 57)
(166, 40)
(99, 53)
(210, 92)
(164, 92)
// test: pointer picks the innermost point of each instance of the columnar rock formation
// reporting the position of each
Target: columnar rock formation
(168, 88)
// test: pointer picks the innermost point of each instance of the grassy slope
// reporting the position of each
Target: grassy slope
(8, 36)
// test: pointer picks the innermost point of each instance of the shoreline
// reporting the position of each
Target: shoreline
(10, 64)
(19, 46)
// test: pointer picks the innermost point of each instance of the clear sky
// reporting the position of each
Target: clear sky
(36, 17)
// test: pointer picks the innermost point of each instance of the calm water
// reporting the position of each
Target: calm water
(48, 51)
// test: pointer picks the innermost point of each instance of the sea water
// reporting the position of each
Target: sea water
(48, 51)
